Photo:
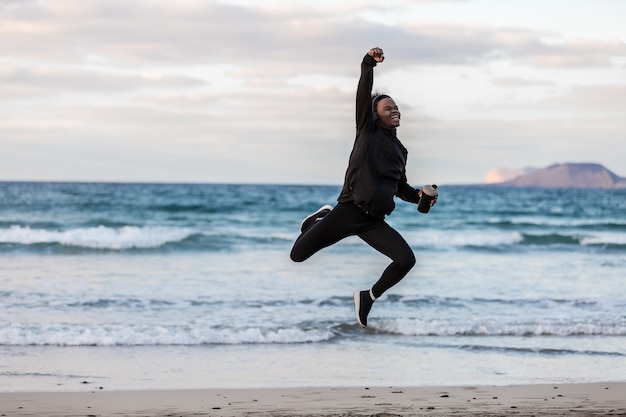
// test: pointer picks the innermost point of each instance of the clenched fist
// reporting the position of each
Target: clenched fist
(377, 54)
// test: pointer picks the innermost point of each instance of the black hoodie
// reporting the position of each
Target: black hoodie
(377, 167)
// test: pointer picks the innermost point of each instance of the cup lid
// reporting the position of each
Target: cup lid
(431, 190)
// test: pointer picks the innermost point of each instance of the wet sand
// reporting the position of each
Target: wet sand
(597, 399)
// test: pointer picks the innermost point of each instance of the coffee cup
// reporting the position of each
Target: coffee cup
(429, 193)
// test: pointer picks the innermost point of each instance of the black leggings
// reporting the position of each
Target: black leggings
(345, 220)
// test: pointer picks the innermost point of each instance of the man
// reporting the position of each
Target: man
(376, 173)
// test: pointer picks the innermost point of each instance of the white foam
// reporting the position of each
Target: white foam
(604, 239)
(456, 239)
(57, 334)
(100, 237)
(419, 327)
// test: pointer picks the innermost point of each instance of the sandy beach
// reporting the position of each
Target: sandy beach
(597, 399)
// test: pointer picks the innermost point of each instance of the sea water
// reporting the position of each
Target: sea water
(177, 286)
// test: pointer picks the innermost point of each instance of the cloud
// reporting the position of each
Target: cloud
(21, 80)
(157, 32)
(577, 53)
(502, 174)
(252, 90)
(576, 100)
(608, 98)
(516, 81)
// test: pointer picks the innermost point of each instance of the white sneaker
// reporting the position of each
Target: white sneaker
(311, 219)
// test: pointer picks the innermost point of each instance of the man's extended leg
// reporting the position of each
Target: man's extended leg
(387, 241)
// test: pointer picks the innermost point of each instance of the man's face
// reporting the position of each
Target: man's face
(388, 113)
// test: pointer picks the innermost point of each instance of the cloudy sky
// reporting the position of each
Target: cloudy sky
(263, 91)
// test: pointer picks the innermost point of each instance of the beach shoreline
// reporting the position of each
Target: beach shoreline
(584, 399)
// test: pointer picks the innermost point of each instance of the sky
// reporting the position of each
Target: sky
(252, 91)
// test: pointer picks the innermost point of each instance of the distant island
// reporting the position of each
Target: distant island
(568, 175)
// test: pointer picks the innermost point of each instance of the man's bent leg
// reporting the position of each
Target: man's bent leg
(336, 225)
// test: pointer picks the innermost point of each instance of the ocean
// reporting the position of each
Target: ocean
(185, 286)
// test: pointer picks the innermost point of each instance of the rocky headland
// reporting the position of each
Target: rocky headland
(568, 175)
